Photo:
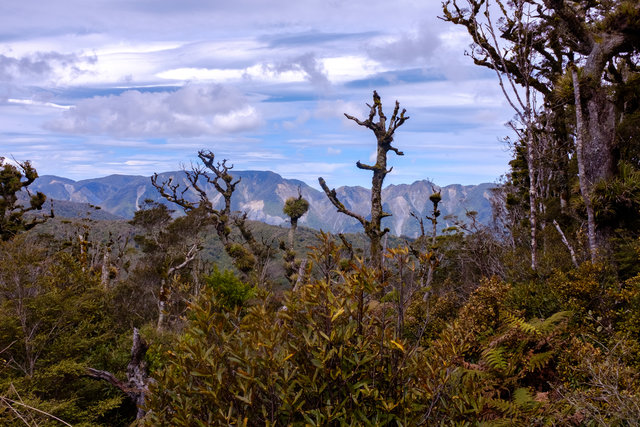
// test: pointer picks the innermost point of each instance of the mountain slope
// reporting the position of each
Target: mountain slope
(262, 195)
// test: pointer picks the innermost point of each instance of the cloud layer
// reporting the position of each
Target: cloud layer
(192, 110)
(39, 66)
(137, 87)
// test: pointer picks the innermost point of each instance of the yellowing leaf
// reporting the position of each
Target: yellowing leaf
(336, 314)
(397, 344)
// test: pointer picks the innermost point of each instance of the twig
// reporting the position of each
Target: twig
(6, 399)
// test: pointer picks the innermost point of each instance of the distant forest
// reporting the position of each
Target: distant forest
(207, 318)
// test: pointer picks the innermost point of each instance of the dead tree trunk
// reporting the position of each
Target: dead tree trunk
(137, 383)
(104, 272)
(384, 136)
(164, 289)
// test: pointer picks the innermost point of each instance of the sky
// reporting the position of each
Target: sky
(100, 87)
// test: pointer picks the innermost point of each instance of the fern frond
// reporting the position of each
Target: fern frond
(540, 360)
(551, 322)
(523, 325)
(523, 398)
(494, 357)
(474, 374)
(505, 407)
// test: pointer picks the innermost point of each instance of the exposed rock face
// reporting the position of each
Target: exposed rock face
(262, 196)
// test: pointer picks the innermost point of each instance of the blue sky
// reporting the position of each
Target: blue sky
(89, 89)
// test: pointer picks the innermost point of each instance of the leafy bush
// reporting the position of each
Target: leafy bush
(326, 356)
(228, 289)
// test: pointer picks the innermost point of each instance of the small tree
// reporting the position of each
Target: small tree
(295, 208)
(170, 247)
(13, 180)
(384, 137)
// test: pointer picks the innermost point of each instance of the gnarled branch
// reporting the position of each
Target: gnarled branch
(333, 198)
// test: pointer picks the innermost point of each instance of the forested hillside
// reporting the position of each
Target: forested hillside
(533, 319)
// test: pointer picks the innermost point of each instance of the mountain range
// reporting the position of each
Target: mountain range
(262, 195)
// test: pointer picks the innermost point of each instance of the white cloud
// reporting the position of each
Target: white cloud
(192, 110)
(43, 67)
(408, 48)
(349, 67)
(337, 109)
(237, 120)
(308, 64)
(300, 120)
(292, 66)
(37, 103)
(184, 74)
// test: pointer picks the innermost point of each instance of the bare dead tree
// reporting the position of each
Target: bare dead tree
(384, 136)
(222, 181)
(111, 265)
(246, 257)
(426, 253)
(295, 208)
(434, 259)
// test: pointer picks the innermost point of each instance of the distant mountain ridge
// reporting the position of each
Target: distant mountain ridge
(262, 195)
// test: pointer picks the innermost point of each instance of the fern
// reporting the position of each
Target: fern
(521, 404)
(540, 360)
(520, 323)
(523, 398)
(494, 357)
(552, 321)
(507, 408)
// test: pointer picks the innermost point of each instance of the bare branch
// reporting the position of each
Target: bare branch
(366, 123)
(11, 401)
(566, 243)
(395, 150)
(333, 198)
(110, 378)
(136, 385)
(365, 167)
(420, 222)
(191, 255)
(169, 191)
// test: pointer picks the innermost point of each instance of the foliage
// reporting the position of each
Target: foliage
(295, 207)
(13, 180)
(54, 321)
(617, 201)
(323, 357)
(228, 290)
(170, 248)
(504, 324)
